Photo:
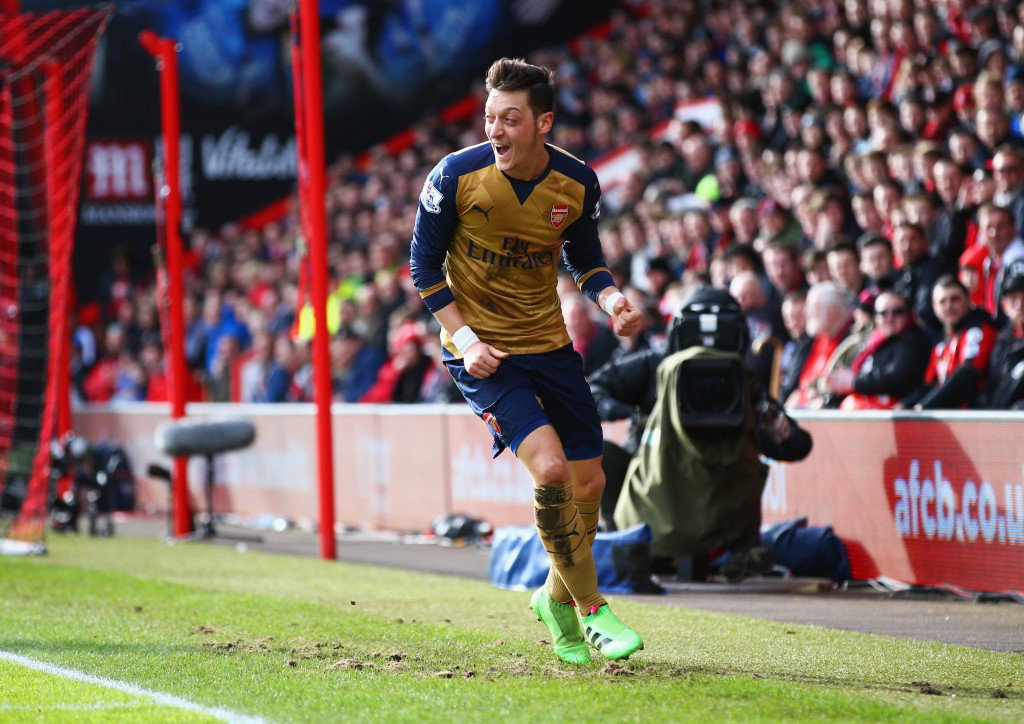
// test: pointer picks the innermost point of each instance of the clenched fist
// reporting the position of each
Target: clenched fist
(482, 359)
(625, 318)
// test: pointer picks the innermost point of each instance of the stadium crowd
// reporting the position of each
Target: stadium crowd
(861, 194)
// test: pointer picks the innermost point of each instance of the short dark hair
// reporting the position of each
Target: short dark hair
(796, 295)
(1010, 149)
(788, 249)
(946, 160)
(928, 198)
(916, 228)
(845, 247)
(904, 302)
(743, 250)
(871, 239)
(962, 131)
(950, 281)
(515, 74)
(990, 208)
(812, 257)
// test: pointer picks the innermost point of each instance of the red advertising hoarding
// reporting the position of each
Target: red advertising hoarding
(925, 500)
(936, 500)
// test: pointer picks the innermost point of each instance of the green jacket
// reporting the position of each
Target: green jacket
(696, 490)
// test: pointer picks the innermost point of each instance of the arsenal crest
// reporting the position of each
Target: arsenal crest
(559, 214)
(492, 422)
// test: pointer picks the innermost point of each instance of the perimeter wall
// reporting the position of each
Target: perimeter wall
(922, 499)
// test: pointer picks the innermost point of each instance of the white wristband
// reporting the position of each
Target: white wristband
(609, 301)
(463, 338)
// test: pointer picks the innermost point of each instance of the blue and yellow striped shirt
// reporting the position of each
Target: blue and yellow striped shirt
(492, 243)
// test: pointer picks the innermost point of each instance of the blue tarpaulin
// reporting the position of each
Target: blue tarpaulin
(519, 561)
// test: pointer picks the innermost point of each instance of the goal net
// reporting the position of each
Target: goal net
(45, 67)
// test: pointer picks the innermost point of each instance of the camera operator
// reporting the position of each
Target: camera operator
(700, 453)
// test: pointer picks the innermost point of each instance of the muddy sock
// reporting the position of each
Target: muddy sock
(564, 535)
(589, 512)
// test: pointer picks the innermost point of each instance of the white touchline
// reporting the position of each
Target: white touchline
(158, 697)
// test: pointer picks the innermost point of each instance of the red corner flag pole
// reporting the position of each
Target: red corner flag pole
(313, 122)
(165, 52)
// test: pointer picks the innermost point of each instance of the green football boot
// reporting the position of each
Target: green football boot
(609, 635)
(561, 620)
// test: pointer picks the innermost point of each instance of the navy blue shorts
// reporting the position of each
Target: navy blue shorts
(530, 390)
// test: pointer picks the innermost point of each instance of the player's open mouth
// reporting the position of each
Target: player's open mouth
(500, 150)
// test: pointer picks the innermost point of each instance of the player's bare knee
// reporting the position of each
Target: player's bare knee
(551, 471)
(590, 488)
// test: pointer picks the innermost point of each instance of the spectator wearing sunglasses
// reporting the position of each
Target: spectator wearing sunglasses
(890, 364)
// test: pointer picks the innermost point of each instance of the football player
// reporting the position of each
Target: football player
(493, 221)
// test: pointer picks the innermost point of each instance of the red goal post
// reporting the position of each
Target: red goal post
(46, 64)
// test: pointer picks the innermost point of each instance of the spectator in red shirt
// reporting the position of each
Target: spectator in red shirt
(959, 362)
(828, 319)
(403, 376)
(101, 382)
(152, 360)
(1000, 246)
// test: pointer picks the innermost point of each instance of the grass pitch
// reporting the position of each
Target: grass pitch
(29, 695)
(298, 639)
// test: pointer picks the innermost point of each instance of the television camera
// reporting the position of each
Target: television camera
(100, 482)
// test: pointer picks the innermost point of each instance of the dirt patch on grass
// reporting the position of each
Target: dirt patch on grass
(240, 644)
(351, 664)
(924, 687)
(615, 669)
(298, 648)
